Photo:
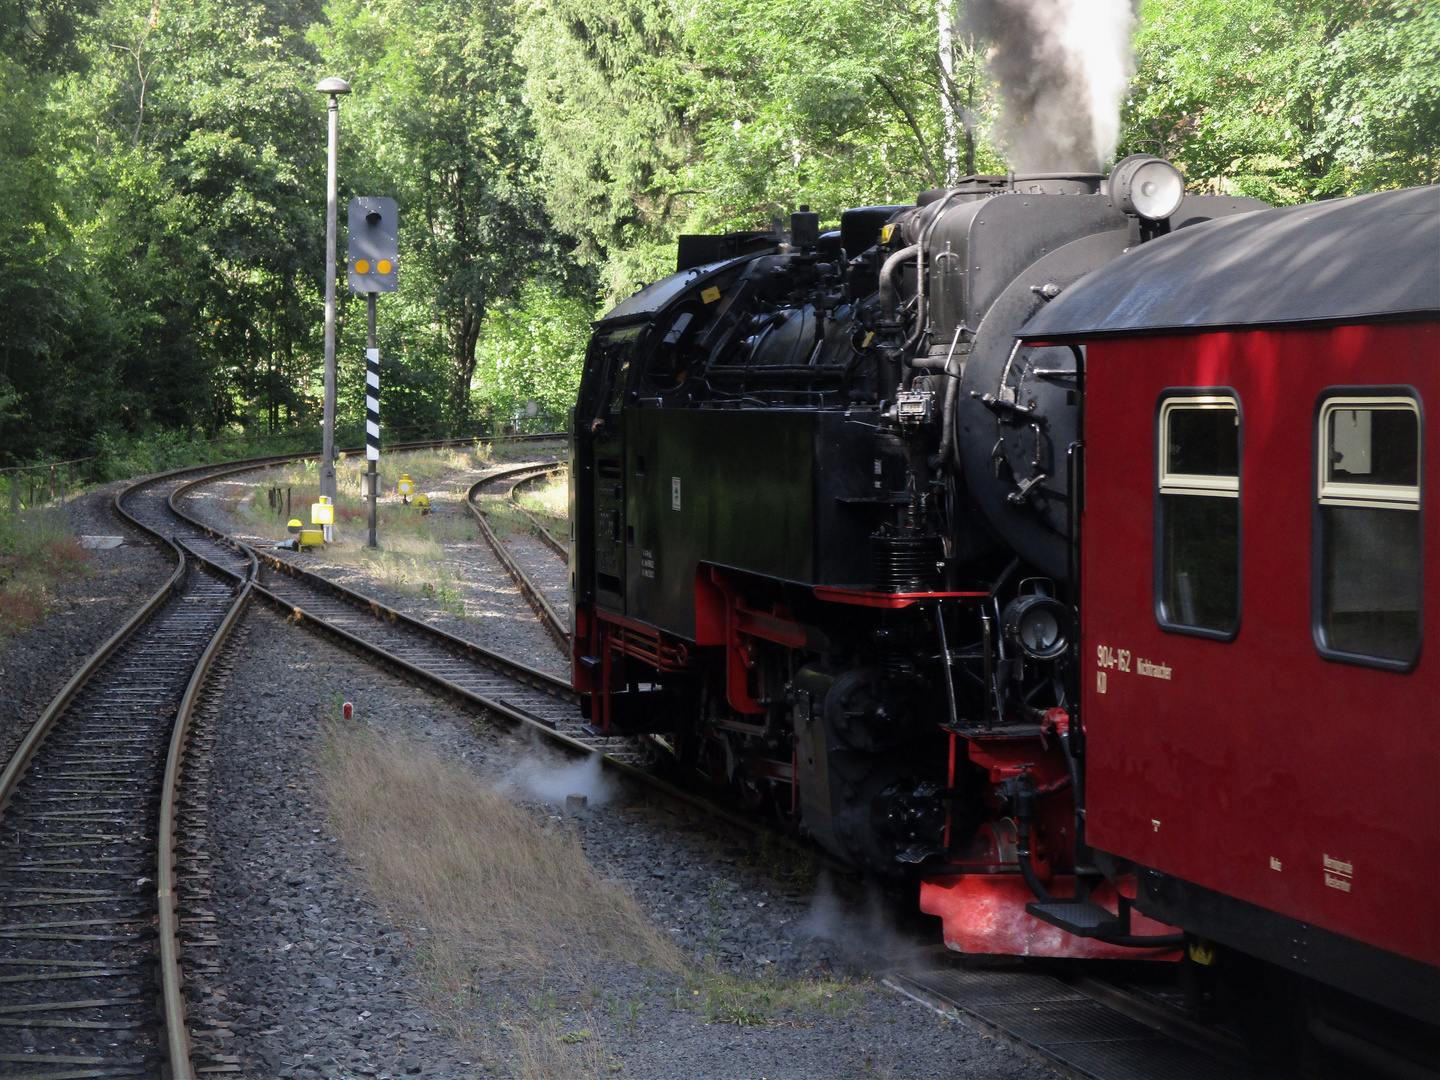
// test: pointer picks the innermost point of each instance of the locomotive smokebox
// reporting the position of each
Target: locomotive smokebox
(993, 252)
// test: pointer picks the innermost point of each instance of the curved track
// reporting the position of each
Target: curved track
(87, 841)
(534, 596)
(562, 549)
(1151, 1044)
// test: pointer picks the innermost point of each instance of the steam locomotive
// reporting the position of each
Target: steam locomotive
(836, 497)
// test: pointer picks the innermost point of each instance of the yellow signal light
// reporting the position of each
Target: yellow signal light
(383, 266)
(362, 266)
(322, 512)
(406, 487)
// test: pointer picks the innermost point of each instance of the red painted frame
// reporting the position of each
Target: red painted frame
(1257, 760)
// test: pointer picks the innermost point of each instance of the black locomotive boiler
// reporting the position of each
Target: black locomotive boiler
(820, 501)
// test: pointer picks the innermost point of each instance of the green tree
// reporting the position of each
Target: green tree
(832, 105)
(608, 85)
(57, 373)
(437, 106)
(208, 213)
(656, 117)
(1290, 100)
(534, 350)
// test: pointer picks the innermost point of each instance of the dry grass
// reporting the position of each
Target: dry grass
(411, 559)
(495, 888)
(499, 889)
(546, 1051)
(550, 497)
(480, 869)
(38, 550)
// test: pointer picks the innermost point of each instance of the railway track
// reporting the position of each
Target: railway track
(1083, 1029)
(534, 596)
(88, 835)
(560, 548)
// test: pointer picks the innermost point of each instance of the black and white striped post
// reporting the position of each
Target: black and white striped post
(372, 416)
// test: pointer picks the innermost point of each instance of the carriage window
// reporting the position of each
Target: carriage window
(1368, 530)
(1197, 533)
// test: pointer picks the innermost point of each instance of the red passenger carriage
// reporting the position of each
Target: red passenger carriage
(1260, 597)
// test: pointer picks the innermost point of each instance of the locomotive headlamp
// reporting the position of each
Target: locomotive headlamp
(1147, 186)
(1038, 624)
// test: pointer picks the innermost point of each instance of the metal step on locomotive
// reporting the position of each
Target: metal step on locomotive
(829, 507)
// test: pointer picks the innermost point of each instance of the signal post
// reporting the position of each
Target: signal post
(373, 269)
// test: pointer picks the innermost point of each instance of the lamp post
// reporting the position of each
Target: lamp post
(334, 87)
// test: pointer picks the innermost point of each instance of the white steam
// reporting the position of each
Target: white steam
(1063, 68)
(551, 782)
(862, 928)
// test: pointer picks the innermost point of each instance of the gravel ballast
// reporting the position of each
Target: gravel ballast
(315, 979)
(496, 615)
(35, 663)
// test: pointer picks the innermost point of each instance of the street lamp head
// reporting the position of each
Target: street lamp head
(333, 86)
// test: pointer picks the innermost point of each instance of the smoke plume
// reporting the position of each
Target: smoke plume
(1063, 66)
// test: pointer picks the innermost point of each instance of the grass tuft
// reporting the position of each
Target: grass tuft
(730, 999)
(546, 1051)
(549, 497)
(38, 550)
(484, 875)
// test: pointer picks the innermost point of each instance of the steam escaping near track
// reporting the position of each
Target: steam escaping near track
(552, 781)
(1063, 66)
(863, 929)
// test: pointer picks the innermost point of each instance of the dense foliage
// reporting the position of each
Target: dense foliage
(162, 173)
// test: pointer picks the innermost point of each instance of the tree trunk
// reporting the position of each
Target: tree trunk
(464, 338)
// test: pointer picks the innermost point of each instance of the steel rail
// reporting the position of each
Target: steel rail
(512, 668)
(177, 1032)
(545, 535)
(25, 753)
(1082, 1027)
(459, 648)
(103, 705)
(549, 617)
